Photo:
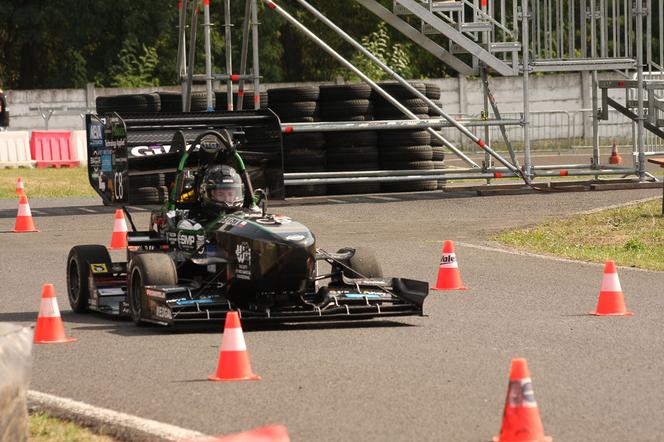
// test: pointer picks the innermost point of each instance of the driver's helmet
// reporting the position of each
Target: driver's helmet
(222, 188)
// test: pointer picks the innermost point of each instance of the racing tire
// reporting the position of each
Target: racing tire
(406, 153)
(350, 139)
(401, 92)
(144, 195)
(299, 108)
(410, 186)
(437, 153)
(363, 264)
(247, 100)
(353, 155)
(144, 270)
(131, 103)
(310, 189)
(307, 140)
(292, 94)
(337, 92)
(432, 91)
(391, 112)
(346, 108)
(172, 102)
(389, 138)
(303, 157)
(351, 166)
(78, 271)
(407, 165)
(285, 118)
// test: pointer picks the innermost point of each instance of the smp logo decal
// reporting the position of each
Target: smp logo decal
(186, 241)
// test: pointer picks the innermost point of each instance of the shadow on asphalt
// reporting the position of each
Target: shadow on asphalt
(19, 317)
(124, 327)
(308, 201)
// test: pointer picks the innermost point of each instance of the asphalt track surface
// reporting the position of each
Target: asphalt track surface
(439, 377)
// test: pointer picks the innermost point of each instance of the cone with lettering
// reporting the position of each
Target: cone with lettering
(521, 418)
(611, 301)
(24, 217)
(20, 190)
(119, 238)
(449, 277)
(233, 356)
(49, 328)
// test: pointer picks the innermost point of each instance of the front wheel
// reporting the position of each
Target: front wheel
(147, 269)
(363, 264)
(78, 272)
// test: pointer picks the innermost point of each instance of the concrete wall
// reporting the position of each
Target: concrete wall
(556, 102)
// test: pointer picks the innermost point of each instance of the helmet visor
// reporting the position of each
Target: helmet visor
(227, 193)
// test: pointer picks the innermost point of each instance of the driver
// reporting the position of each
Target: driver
(221, 190)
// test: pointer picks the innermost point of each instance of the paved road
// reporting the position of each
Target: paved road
(441, 377)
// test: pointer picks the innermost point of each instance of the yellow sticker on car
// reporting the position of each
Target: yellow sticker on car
(99, 268)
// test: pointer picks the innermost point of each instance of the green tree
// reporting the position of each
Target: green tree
(394, 55)
(135, 70)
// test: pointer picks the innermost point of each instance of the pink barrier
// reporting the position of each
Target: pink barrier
(53, 148)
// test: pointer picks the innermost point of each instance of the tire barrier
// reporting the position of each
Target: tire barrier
(404, 149)
(295, 104)
(433, 92)
(52, 149)
(247, 100)
(324, 151)
(172, 102)
(15, 363)
(15, 149)
(130, 103)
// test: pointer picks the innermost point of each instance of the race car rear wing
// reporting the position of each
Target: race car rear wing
(138, 146)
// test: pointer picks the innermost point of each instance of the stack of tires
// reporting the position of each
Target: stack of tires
(303, 152)
(148, 189)
(404, 149)
(438, 151)
(247, 100)
(172, 102)
(132, 103)
(354, 150)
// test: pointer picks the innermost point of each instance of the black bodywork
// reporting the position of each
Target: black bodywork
(191, 264)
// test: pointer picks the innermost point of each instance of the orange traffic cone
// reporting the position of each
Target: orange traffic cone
(611, 301)
(521, 419)
(449, 277)
(615, 157)
(49, 329)
(20, 190)
(119, 238)
(233, 356)
(24, 217)
(270, 433)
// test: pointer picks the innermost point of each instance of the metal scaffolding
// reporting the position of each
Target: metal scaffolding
(479, 37)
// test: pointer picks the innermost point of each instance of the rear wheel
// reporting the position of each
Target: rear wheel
(147, 269)
(78, 271)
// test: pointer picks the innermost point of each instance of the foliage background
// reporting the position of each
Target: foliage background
(67, 43)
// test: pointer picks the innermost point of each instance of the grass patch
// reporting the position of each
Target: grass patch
(44, 428)
(46, 183)
(632, 236)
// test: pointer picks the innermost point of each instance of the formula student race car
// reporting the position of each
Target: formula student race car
(206, 253)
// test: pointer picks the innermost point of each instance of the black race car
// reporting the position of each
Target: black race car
(193, 264)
